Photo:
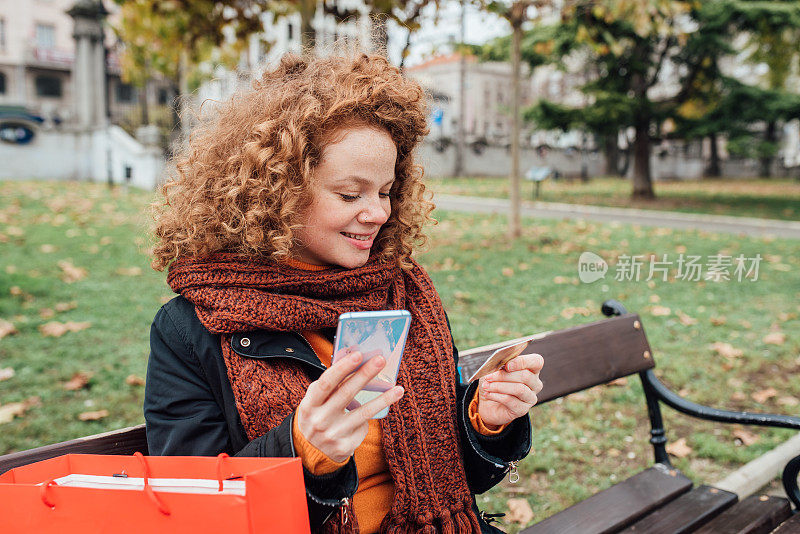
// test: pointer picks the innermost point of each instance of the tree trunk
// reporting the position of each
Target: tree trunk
(766, 161)
(611, 152)
(404, 53)
(458, 163)
(514, 226)
(714, 169)
(143, 103)
(308, 36)
(642, 181)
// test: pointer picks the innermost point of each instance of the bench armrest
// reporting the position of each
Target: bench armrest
(670, 398)
(655, 391)
(655, 388)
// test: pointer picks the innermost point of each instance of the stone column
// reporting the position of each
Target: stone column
(89, 71)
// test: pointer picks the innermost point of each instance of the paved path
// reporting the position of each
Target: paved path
(552, 210)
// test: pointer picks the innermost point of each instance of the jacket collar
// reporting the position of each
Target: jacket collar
(265, 344)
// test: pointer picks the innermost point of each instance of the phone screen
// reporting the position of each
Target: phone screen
(375, 333)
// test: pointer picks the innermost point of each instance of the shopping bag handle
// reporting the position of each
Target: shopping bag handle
(47, 502)
(221, 456)
(148, 490)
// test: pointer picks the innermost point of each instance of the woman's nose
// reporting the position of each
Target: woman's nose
(375, 213)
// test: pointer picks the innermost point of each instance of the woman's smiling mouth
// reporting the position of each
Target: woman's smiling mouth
(359, 237)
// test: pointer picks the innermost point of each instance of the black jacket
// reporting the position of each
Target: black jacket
(190, 409)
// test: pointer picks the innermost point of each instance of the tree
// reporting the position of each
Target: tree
(516, 13)
(174, 37)
(712, 103)
(628, 42)
(774, 43)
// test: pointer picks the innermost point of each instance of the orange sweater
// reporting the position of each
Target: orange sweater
(373, 499)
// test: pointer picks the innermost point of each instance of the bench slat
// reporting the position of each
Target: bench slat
(618, 506)
(582, 356)
(122, 441)
(756, 514)
(790, 526)
(686, 513)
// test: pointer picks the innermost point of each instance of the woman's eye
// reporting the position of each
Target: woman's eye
(348, 198)
(386, 195)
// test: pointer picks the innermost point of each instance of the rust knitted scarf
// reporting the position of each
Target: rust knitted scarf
(420, 434)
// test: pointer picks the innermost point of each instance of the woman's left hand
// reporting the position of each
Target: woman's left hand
(510, 392)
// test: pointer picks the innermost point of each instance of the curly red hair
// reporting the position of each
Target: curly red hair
(244, 177)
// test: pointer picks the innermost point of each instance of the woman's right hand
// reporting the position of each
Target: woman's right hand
(321, 415)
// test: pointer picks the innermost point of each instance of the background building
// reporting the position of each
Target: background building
(487, 96)
(37, 57)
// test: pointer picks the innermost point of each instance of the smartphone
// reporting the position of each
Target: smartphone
(373, 333)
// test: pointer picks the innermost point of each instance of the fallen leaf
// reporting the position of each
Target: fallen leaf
(47, 249)
(622, 381)
(65, 306)
(775, 338)
(6, 328)
(613, 452)
(788, 401)
(136, 271)
(738, 396)
(569, 313)
(6, 373)
(718, 321)
(519, 511)
(78, 381)
(679, 448)
(655, 299)
(134, 380)
(502, 331)
(93, 416)
(46, 313)
(16, 231)
(11, 410)
(726, 349)
(745, 324)
(56, 329)
(561, 280)
(747, 438)
(15, 291)
(764, 395)
(686, 320)
(660, 311)
(70, 273)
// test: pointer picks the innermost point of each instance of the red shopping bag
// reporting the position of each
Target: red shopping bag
(87, 493)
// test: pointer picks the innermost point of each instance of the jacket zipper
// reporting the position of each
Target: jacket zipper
(513, 474)
(344, 501)
(471, 444)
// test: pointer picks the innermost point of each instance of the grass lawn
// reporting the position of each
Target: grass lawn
(769, 199)
(492, 290)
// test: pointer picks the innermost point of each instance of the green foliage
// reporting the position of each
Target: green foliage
(751, 146)
(156, 34)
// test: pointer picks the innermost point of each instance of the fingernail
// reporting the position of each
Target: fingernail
(379, 361)
(355, 356)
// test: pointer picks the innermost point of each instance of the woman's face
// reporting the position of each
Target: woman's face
(349, 198)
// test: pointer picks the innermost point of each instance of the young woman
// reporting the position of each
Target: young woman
(298, 202)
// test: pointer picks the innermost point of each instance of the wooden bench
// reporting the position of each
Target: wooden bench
(659, 499)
